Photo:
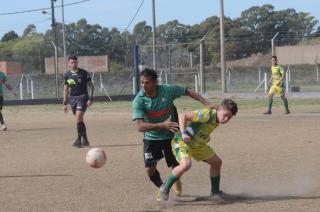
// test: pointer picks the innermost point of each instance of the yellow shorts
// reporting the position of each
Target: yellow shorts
(276, 89)
(199, 152)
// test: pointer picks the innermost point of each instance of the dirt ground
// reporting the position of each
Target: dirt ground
(270, 163)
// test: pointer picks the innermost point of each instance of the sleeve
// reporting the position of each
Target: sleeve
(137, 110)
(3, 76)
(176, 91)
(66, 78)
(201, 116)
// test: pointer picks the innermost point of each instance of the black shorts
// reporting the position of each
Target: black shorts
(1, 102)
(79, 103)
(154, 150)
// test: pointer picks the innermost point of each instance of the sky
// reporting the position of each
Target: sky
(119, 13)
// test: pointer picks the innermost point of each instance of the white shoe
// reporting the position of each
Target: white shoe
(4, 127)
(164, 194)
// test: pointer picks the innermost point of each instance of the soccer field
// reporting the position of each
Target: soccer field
(270, 163)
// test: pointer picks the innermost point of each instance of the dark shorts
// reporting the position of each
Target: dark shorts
(155, 150)
(79, 103)
(1, 102)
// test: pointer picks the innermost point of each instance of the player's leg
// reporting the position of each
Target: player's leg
(215, 163)
(2, 125)
(172, 162)
(270, 100)
(285, 101)
(152, 153)
(80, 111)
(73, 106)
(184, 165)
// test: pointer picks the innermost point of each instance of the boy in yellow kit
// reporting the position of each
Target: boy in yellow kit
(276, 79)
(191, 141)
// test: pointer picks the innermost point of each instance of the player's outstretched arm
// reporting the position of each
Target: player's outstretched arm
(166, 125)
(200, 99)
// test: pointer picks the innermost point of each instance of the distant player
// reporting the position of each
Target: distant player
(152, 109)
(76, 82)
(191, 142)
(277, 85)
(3, 79)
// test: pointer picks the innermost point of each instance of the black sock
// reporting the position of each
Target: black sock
(80, 129)
(1, 118)
(156, 179)
(84, 131)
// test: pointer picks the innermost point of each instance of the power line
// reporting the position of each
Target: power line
(135, 14)
(41, 9)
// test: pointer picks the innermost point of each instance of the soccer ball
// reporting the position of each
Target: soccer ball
(96, 157)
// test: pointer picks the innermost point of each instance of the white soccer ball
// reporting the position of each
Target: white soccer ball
(96, 157)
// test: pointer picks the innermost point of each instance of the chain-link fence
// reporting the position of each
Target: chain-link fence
(187, 64)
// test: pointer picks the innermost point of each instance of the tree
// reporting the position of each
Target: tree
(29, 30)
(12, 35)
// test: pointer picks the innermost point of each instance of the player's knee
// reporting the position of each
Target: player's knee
(217, 162)
(186, 165)
(151, 170)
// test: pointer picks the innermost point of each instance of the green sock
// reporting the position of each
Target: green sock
(170, 181)
(285, 103)
(270, 101)
(215, 184)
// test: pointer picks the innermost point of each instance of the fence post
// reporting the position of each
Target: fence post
(21, 88)
(317, 72)
(196, 82)
(202, 77)
(136, 69)
(287, 82)
(32, 94)
(259, 79)
(289, 73)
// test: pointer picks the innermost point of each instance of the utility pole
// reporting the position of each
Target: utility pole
(54, 42)
(223, 61)
(64, 38)
(202, 74)
(53, 23)
(154, 35)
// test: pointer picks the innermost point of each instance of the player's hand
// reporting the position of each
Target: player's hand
(186, 138)
(89, 103)
(65, 108)
(172, 126)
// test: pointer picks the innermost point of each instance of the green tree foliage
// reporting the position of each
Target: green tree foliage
(249, 34)
(9, 36)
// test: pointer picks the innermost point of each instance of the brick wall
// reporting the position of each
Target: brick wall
(293, 55)
(90, 63)
(10, 67)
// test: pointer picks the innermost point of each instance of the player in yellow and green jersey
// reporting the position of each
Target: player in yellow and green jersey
(277, 85)
(191, 141)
